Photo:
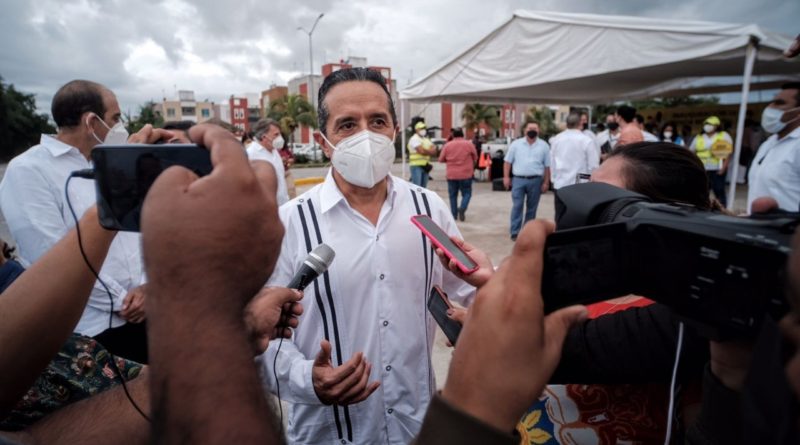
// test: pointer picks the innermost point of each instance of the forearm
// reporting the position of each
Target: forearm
(48, 298)
(546, 179)
(186, 408)
(506, 170)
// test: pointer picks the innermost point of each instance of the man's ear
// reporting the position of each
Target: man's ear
(323, 144)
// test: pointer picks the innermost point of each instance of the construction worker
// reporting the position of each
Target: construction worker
(714, 148)
(420, 150)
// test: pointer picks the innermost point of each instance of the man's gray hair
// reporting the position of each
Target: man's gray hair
(262, 126)
(573, 120)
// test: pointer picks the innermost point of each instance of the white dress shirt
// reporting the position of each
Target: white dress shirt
(775, 172)
(571, 152)
(379, 282)
(33, 204)
(650, 137)
(256, 151)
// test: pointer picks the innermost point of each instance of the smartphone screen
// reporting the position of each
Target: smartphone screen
(438, 306)
(441, 240)
(124, 173)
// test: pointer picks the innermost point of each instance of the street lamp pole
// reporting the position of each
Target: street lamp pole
(311, 59)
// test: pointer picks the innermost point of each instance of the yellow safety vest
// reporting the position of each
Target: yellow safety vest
(416, 159)
(704, 153)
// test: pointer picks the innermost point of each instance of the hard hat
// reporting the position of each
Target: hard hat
(420, 125)
(713, 120)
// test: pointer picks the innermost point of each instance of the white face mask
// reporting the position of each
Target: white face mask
(117, 135)
(771, 120)
(667, 135)
(708, 128)
(422, 133)
(278, 142)
(363, 159)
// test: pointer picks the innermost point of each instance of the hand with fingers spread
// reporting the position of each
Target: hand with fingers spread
(133, 305)
(272, 314)
(485, 267)
(343, 385)
(496, 376)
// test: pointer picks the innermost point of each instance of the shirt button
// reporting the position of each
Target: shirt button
(381, 277)
(388, 367)
(386, 323)
(344, 441)
(389, 410)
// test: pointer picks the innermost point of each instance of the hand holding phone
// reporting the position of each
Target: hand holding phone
(124, 173)
(441, 240)
(438, 304)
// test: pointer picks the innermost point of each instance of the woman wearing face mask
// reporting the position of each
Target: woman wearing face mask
(668, 134)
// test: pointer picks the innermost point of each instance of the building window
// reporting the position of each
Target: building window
(238, 113)
(188, 110)
(170, 112)
(205, 112)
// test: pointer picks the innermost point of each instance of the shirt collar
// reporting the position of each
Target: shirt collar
(330, 195)
(56, 147)
(794, 134)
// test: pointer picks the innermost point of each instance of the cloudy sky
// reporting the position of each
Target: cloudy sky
(145, 49)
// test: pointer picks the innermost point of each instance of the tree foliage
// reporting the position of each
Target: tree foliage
(291, 111)
(147, 115)
(544, 116)
(20, 125)
(476, 114)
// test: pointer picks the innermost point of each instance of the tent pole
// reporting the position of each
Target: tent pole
(749, 60)
(403, 137)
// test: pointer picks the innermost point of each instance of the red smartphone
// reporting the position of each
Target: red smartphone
(438, 304)
(441, 240)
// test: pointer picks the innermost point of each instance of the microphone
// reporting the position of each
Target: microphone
(315, 264)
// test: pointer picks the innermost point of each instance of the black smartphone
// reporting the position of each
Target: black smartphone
(124, 173)
(438, 304)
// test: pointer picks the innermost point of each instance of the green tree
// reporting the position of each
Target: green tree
(20, 125)
(147, 115)
(544, 116)
(291, 111)
(476, 114)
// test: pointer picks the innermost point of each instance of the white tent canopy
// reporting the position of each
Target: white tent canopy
(549, 57)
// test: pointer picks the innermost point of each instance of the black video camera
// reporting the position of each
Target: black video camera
(719, 273)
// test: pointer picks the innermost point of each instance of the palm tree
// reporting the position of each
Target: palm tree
(544, 116)
(291, 111)
(476, 114)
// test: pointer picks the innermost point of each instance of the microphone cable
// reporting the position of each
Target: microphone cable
(672, 384)
(89, 174)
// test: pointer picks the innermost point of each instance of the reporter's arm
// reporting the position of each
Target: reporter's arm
(45, 303)
(201, 278)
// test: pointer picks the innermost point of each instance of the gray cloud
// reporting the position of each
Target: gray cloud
(146, 49)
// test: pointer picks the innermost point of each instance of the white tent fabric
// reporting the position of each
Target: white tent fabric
(563, 58)
(549, 57)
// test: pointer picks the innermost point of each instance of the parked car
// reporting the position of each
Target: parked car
(311, 152)
(496, 145)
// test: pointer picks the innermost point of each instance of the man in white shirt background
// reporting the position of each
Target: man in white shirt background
(358, 367)
(571, 153)
(607, 139)
(32, 199)
(266, 145)
(775, 171)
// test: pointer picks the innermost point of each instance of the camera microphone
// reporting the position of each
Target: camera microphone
(315, 264)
